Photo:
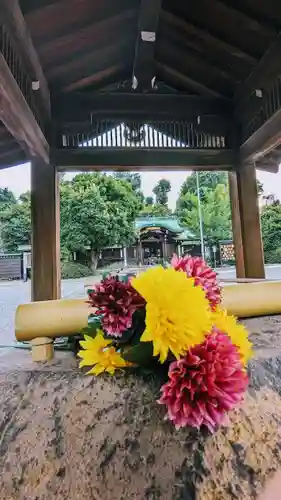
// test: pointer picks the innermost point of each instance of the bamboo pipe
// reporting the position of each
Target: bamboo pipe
(247, 300)
(40, 322)
(64, 318)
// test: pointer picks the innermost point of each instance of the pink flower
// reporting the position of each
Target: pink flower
(116, 301)
(205, 384)
(204, 276)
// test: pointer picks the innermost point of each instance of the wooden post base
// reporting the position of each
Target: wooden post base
(42, 349)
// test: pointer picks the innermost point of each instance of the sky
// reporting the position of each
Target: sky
(17, 179)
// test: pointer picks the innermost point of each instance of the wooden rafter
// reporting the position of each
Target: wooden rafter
(144, 69)
(17, 116)
(11, 16)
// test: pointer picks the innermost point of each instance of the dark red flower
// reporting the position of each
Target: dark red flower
(204, 276)
(205, 384)
(116, 301)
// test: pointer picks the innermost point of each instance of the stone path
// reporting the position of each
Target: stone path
(14, 293)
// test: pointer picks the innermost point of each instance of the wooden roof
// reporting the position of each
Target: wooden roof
(204, 47)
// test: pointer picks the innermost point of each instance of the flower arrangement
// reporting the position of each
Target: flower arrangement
(173, 316)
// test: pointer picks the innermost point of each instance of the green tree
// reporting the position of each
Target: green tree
(207, 180)
(155, 210)
(216, 215)
(16, 225)
(133, 178)
(25, 197)
(97, 211)
(161, 190)
(149, 201)
(271, 232)
(7, 198)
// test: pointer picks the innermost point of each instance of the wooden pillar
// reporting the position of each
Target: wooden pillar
(45, 215)
(246, 223)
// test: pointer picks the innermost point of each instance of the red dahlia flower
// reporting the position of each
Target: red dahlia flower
(116, 301)
(205, 384)
(203, 275)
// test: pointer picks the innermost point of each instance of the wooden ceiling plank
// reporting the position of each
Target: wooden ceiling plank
(265, 12)
(226, 23)
(91, 61)
(264, 73)
(69, 16)
(13, 159)
(187, 62)
(93, 34)
(144, 68)
(28, 6)
(17, 116)
(12, 17)
(187, 82)
(212, 40)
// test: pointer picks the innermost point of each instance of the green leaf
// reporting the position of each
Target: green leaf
(141, 353)
(105, 275)
(94, 324)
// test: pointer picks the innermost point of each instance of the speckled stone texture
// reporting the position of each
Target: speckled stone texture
(67, 436)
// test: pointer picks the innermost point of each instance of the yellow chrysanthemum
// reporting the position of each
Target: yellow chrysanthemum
(96, 352)
(177, 313)
(236, 331)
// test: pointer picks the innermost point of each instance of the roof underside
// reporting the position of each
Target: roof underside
(206, 47)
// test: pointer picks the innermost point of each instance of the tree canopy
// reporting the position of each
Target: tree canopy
(97, 211)
(271, 232)
(16, 225)
(208, 180)
(161, 190)
(156, 210)
(133, 178)
(7, 198)
(215, 208)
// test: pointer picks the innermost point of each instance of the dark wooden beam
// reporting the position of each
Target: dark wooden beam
(144, 70)
(11, 16)
(236, 225)
(97, 80)
(246, 223)
(262, 76)
(78, 106)
(264, 140)
(143, 159)
(17, 116)
(45, 219)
